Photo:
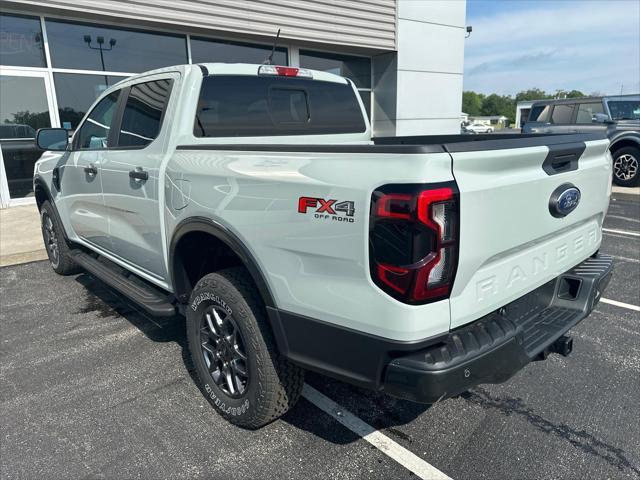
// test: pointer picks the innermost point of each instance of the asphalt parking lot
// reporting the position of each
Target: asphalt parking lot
(91, 388)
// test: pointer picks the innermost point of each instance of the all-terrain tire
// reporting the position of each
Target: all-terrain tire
(273, 384)
(626, 167)
(55, 242)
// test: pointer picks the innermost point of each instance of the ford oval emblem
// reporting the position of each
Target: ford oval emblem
(564, 200)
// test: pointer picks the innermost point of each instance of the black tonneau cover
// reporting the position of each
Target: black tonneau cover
(415, 144)
(490, 141)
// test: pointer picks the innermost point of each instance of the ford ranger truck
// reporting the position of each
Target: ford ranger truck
(253, 200)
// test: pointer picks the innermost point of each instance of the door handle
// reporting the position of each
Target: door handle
(139, 175)
(91, 170)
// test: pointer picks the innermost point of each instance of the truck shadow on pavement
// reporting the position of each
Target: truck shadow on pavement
(377, 409)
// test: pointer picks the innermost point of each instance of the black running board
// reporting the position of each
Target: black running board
(150, 298)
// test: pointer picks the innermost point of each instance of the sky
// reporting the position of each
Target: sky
(586, 45)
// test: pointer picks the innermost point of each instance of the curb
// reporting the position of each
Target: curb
(23, 257)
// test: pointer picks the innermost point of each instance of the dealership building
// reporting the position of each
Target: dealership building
(57, 56)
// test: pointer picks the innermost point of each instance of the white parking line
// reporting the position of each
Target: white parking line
(625, 259)
(404, 457)
(621, 232)
(621, 304)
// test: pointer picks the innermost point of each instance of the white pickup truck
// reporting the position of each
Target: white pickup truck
(254, 200)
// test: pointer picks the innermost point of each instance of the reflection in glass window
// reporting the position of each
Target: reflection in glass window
(21, 41)
(289, 105)
(94, 47)
(142, 115)
(23, 102)
(94, 133)
(357, 69)
(23, 109)
(203, 50)
(76, 93)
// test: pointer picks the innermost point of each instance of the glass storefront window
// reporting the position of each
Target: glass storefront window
(203, 50)
(104, 48)
(76, 93)
(357, 69)
(21, 42)
(23, 109)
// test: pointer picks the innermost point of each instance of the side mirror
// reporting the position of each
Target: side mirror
(600, 118)
(55, 139)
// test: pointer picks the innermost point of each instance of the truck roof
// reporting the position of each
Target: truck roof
(560, 101)
(219, 68)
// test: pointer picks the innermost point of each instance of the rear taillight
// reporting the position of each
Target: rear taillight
(280, 71)
(413, 240)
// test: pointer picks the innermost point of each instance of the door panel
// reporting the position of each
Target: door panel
(82, 197)
(81, 179)
(131, 177)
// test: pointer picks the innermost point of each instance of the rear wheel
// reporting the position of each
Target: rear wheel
(239, 369)
(626, 167)
(55, 242)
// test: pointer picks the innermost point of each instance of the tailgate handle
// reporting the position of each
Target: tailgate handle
(563, 158)
(560, 163)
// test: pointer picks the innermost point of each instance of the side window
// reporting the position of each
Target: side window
(562, 114)
(142, 117)
(586, 111)
(94, 133)
(539, 113)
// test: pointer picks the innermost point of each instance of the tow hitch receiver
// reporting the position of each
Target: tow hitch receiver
(562, 346)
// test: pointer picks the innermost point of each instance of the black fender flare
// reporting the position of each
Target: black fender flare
(39, 182)
(628, 138)
(231, 240)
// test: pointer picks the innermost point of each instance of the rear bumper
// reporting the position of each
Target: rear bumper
(495, 347)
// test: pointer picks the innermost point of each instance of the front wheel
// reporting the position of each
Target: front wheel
(626, 167)
(239, 369)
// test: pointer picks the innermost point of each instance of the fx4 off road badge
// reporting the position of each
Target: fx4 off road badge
(327, 209)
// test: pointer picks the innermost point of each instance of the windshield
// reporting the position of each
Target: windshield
(624, 109)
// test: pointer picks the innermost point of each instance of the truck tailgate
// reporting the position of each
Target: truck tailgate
(510, 243)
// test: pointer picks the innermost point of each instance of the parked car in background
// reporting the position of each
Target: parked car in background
(478, 128)
(618, 115)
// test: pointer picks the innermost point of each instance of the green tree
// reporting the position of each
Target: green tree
(503, 105)
(472, 102)
(532, 94)
(575, 94)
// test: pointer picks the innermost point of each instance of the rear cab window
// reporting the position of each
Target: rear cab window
(248, 106)
(143, 113)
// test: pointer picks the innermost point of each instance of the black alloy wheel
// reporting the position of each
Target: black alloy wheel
(223, 351)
